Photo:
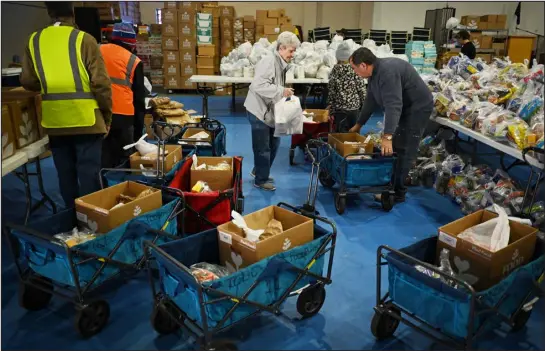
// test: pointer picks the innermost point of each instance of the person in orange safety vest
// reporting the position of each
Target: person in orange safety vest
(126, 73)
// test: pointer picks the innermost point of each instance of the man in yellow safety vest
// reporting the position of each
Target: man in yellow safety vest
(66, 66)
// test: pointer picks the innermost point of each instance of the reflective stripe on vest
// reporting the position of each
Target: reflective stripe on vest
(120, 64)
(52, 50)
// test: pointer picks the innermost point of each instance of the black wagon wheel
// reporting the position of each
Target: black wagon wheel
(32, 298)
(520, 320)
(383, 326)
(292, 156)
(325, 178)
(221, 345)
(387, 200)
(311, 300)
(162, 321)
(340, 203)
(92, 318)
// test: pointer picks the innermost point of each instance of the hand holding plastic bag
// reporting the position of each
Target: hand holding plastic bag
(251, 234)
(492, 235)
(288, 116)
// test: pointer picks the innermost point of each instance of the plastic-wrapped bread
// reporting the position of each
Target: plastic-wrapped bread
(172, 105)
(273, 228)
(170, 112)
(158, 101)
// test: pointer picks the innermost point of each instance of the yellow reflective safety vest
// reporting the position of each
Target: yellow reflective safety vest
(67, 100)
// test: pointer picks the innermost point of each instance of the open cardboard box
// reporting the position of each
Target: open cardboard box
(478, 266)
(173, 156)
(236, 252)
(336, 140)
(93, 210)
(217, 180)
(8, 134)
(187, 136)
(320, 116)
(24, 110)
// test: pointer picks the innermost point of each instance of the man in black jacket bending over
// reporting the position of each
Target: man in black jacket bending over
(395, 87)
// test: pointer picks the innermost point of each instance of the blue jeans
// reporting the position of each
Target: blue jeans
(265, 146)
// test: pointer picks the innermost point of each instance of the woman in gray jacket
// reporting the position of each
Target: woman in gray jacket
(267, 88)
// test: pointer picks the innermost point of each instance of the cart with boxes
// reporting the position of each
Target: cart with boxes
(318, 122)
(75, 253)
(487, 289)
(260, 275)
(356, 167)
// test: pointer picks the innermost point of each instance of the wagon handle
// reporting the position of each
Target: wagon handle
(314, 143)
(528, 149)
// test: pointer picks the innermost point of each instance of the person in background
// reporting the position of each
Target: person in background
(66, 66)
(395, 87)
(346, 91)
(267, 88)
(126, 72)
(468, 48)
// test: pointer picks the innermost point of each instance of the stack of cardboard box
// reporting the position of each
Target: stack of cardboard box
(238, 31)
(227, 34)
(149, 50)
(249, 29)
(491, 22)
(271, 23)
(128, 11)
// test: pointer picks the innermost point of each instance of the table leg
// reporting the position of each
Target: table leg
(306, 91)
(233, 95)
(45, 197)
(28, 194)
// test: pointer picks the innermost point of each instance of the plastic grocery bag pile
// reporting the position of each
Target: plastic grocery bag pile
(473, 187)
(311, 60)
(502, 100)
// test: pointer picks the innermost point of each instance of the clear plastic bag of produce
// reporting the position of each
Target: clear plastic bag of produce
(206, 271)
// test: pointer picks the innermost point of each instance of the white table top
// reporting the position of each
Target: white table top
(10, 164)
(37, 148)
(506, 149)
(242, 80)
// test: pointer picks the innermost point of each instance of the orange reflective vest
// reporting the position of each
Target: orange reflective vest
(120, 64)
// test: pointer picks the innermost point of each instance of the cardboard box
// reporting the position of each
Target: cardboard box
(204, 17)
(173, 82)
(189, 5)
(470, 21)
(271, 37)
(226, 22)
(94, 210)
(227, 33)
(170, 5)
(214, 11)
(497, 25)
(261, 14)
(273, 14)
(489, 18)
(260, 30)
(193, 131)
(272, 29)
(498, 46)
(169, 15)
(171, 57)
(205, 61)
(337, 141)
(8, 133)
(203, 39)
(501, 18)
(202, 24)
(171, 69)
(486, 268)
(187, 30)
(24, 115)
(187, 16)
(236, 252)
(271, 21)
(249, 25)
(170, 44)
(227, 11)
(204, 32)
(486, 42)
(215, 34)
(287, 28)
(188, 44)
(156, 62)
(170, 30)
(187, 56)
(188, 69)
(476, 39)
(206, 50)
(248, 19)
(156, 29)
(217, 180)
(173, 156)
(148, 120)
(485, 57)
(187, 85)
(320, 116)
(483, 25)
(206, 70)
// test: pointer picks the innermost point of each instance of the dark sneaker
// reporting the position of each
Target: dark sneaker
(398, 199)
(265, 186)
(252, 174)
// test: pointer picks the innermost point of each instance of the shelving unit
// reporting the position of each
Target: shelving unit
(498, 36)
(421, 34)
(398, 40)
(379, 36)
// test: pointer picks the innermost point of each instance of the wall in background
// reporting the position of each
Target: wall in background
(20, 21)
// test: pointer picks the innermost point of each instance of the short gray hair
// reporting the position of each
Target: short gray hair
(287, 39)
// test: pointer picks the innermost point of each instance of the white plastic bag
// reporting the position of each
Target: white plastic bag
(323, 72)
(142, 146)
(251, 234)
(452, 23)
(492, 235)
(330, 59)
(244, 50)
(288, 116)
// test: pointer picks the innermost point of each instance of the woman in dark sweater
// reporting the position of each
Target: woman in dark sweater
(468, 49)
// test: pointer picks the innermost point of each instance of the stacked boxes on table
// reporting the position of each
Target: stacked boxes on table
(249, 29)
(127, 11)
(491, 22)
(422, 55)
(270, 23)
(227, 29)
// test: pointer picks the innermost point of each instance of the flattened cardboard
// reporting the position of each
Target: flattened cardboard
(236, 252)
(217, 180)
(174, 155)
(488, 268)
(93, 210)
(337, 141)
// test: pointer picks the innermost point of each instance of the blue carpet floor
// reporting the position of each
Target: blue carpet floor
(344, 321)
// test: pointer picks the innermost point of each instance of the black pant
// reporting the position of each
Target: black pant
(77, 160)
(121, 134)
(406, 142)
(345, 119)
